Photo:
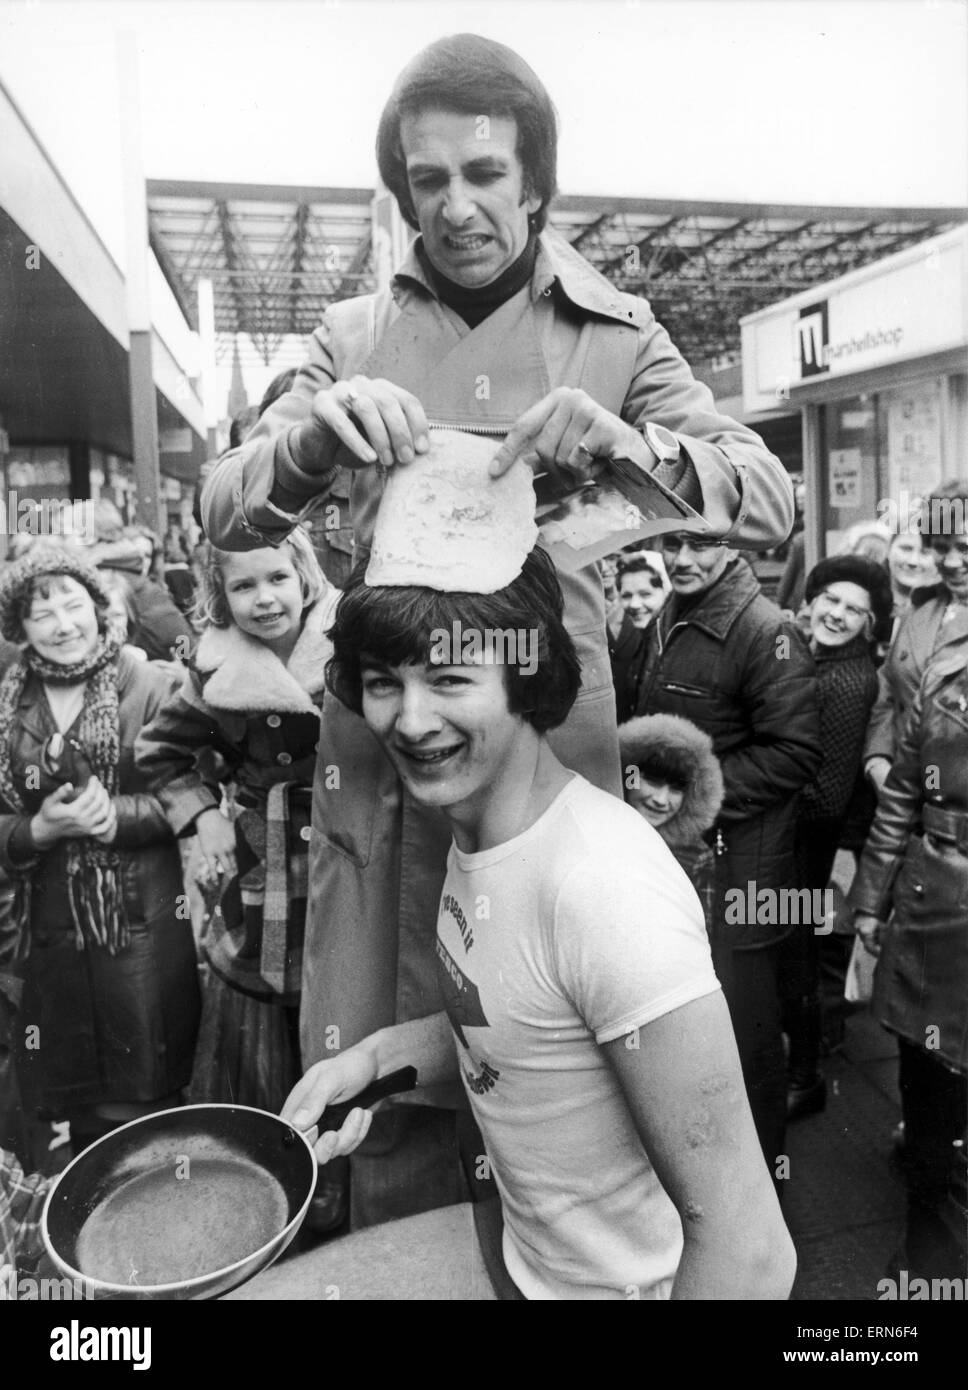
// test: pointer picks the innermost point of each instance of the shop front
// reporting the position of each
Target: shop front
(876, 362)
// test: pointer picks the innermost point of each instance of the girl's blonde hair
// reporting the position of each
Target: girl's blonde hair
(211, 607)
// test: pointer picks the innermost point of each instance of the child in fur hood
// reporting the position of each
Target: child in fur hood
(248, 712)
(673, 779)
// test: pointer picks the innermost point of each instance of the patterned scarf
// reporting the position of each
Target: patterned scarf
(93, 869)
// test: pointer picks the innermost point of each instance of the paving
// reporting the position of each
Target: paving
(845, 1204)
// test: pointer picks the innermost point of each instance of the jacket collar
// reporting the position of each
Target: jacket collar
(241, 674)
(718, 608)
(924, 593)
(556, 263)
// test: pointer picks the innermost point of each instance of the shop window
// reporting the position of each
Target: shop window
(38, 472)
(910, 441)
(851, 469)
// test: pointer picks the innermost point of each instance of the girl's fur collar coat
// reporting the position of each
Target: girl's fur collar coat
(686, 751)
(241, 674)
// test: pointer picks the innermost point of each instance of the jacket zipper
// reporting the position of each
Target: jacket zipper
(676, 689)
(488, 431)
(661, 644)
(470, 429)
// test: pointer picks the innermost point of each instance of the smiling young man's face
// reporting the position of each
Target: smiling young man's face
(447, 729)
(467, 188)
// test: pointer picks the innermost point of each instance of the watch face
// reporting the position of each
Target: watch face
(662, 441)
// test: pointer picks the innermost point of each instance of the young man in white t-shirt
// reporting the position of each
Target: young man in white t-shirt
(582, 1010)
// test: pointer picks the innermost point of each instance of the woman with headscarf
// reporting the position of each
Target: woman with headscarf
(642, 587)
(104, 953)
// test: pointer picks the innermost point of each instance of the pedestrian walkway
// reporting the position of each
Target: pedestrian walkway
(846, 1202)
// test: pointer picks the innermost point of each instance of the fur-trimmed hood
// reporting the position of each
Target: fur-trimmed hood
(685, 753)
(241, 674)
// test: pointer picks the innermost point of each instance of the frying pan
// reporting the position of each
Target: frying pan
(188, 1203)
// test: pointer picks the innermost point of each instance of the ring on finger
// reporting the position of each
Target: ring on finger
(584, 449)
(349, 401)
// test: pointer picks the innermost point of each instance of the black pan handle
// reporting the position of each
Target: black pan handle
(391, 1085)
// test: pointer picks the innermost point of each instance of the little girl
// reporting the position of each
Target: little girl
(248, 714)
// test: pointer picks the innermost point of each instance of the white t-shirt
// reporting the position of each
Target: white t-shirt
(575, 933)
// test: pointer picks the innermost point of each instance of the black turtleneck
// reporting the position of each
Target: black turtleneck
(474, 305)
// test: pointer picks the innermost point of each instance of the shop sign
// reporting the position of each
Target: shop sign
(906, 307)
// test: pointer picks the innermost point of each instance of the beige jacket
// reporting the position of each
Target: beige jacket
(379, 861)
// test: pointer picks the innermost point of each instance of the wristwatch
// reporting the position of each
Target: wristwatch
(662, 442)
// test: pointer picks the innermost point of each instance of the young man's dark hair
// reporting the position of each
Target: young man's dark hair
(475, 76)
(397, 627)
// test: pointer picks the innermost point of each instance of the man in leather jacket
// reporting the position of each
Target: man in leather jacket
(722, 655)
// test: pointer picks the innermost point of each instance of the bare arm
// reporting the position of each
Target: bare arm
(424, 1043)
(684, 1087)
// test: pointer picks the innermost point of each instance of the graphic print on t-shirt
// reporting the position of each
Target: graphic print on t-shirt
(461, 997)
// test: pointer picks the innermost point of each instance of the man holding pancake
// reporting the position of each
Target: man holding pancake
(495, 326)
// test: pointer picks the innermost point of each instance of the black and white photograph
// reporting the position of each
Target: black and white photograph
(484, 663)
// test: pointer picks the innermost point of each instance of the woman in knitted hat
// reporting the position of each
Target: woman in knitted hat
(110, 1003)
(673, 779)
(849, 597)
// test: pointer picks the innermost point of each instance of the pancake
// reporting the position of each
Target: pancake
(159, 1228)
(444, 523)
